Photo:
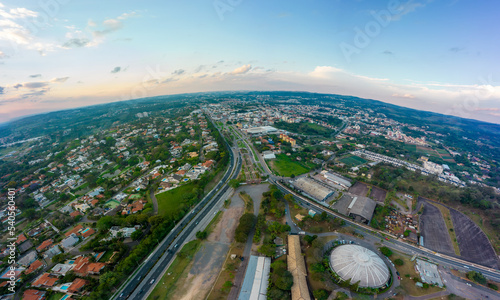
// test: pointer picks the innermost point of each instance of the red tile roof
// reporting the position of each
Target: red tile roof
(20, 239)
(45, 280)
(75, 213)
(88, 232)
(76, 285)
(34, 266)
(34, 295)
(46, 244)
(74, 230)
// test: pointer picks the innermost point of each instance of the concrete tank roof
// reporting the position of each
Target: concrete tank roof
(359, 264)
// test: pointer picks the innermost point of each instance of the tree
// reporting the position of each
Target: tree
(320, 294)
(234, 183)
(407, 233)
(136, 235)
(285, 281)
(226, 287)
(267, 250)
(310, 239)
(105, 223)
(202, 235)
(386, 251)
(399, 262)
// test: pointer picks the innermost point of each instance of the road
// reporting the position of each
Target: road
(139, 284)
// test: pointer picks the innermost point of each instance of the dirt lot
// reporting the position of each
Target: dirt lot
(434, 229)
(473, 243)
(359, 189)
(378, 194)
(210, 258)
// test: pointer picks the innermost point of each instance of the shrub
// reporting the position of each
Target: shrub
(399, 262)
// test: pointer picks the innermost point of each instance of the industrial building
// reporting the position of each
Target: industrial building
(358, 207)
(313, 188)
(335, 179)
(254, 285)
(359, 264)
(297, 266)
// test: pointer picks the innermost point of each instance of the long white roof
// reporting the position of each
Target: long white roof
(359, 264)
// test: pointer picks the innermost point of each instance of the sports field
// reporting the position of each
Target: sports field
(285, 166)
(353, 161)
(112, 203)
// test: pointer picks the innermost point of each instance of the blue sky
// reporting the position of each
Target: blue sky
(440, 56)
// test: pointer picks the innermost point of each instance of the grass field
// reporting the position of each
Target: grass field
(171, 202)
(449, 225)
(353, 161)
(166, 285)
(285, 166)
(407, 272)
(56, 296)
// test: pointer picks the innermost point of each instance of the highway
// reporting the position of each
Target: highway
(151, 269)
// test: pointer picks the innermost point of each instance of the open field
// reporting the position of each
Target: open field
(171, 202)
(378, 194)
(473, 242)
(359, 189)
(449, 225)
(285, 166)
(433, 228)
(407, 272)
(353, 161)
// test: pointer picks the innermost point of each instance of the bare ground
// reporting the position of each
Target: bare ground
(359, 189)
(208, 261)
(434, 230)
(378, 194)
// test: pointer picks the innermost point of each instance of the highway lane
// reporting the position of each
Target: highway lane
(160, 257)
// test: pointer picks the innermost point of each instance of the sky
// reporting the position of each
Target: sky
(440, 56)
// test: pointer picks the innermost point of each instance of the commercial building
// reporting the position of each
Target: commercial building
(254, 285)
(359, 264)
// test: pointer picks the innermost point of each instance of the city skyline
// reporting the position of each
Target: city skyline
(428, 55)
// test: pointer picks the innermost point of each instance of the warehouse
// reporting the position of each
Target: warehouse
(254, 285)
(313, 188)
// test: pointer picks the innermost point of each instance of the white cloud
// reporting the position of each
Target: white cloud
(241, 70)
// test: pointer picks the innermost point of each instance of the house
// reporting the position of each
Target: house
(61, 269)
(28, 258)
(20, 239)
(208, 164)
(34, 295)
(75, 213)
(45, 280)
(69, 242)
(134, 207)
(80, 265)
(87, 232)
(75, 230)
(44, 245)
(52, 252)
(95, 268)
(37, 264)
(77, 285)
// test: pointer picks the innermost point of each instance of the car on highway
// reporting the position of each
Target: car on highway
(152, 281)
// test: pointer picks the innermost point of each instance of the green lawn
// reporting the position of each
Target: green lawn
(285, 166)
(166, 285)
(353, 161)
(56, 296)
(170, 203)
